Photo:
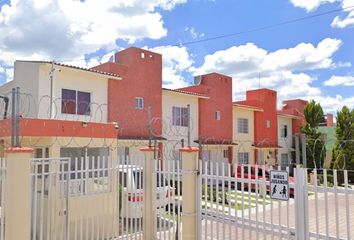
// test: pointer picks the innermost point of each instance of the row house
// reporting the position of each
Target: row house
(61, 116)
(175, 122)
(264, 134)
(69, 107)
(215, 118)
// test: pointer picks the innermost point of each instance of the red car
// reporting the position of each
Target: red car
(257, 170)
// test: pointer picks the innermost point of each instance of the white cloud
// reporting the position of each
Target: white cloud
(282, 70)
(310, 5)
(340, 81)
(348, 20)
(176, 60)
(248, 60)
(338, 21)
(333, 104)
(9, 74)
(194, 34)
(68, 29)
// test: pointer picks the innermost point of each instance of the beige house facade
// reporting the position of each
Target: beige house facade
(243, 134)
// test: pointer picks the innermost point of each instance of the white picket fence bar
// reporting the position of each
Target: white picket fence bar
(2, 197)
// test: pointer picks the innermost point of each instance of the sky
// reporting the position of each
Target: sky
(309, 59)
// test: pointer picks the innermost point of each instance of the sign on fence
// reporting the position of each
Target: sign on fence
(279, 185)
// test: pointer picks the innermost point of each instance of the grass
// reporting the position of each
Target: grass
(249, 201)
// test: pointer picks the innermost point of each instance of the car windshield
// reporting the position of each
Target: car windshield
(161, 180)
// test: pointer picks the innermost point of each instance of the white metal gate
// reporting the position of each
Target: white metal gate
(236, 204)
(87, 198)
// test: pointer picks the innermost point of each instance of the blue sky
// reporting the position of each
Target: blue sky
(311, 59)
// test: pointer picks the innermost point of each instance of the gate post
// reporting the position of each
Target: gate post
(189, 192)
(149, 192)
(18, 194)
(301, 207)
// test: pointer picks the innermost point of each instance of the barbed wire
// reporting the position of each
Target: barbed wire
(132, 131)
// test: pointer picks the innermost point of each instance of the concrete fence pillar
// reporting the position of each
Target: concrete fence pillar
(18, 194)
(149, 192)
(189, 192)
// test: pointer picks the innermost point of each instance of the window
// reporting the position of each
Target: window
(217, 115)
(139, 103)
(284, 131)
(83, 103)
(180, 116)
(81, 159)
(226, 153)
(41, 152)
(242, 125)
(68, 102)
(206, 155)
(138, 179)
(284, 159)
(243, 158)
(123, 155)
(177, 159)
(142, 55)
(75, 102)
(267, 123)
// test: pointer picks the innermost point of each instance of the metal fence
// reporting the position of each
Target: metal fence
(167, 218)
(87, 198)
(237, 205)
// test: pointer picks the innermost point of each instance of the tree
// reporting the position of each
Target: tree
(313, 114)
(343, 154)
(315, 147)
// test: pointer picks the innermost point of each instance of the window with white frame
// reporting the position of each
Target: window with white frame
(284, 131)
(284, 159)
(243, 158)
(267, 123)
(242, 125)
(180, 116)
(75, 102)
(139, 103)
(217, 115)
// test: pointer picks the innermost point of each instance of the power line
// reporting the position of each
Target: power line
(266, 27)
